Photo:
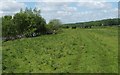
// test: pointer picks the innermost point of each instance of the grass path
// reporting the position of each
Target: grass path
(94, 55)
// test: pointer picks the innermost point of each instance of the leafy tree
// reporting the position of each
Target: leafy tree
(40, 25)
(29, 22)
(8, 27)
(21, 21)
(54, 24)
(24, 23)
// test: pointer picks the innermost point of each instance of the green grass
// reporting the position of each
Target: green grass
(74, 51)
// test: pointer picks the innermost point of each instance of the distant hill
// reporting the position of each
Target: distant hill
(105, 22)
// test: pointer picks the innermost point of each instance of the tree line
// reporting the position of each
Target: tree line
(27, 23)
(105, 22)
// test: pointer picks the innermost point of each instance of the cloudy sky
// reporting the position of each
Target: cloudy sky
(68, 11)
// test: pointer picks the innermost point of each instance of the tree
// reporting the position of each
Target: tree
(24, 23)
(54, 26)
(36, 12)
(40, 25)
(29, 22)
(21, 21)
(8, 27)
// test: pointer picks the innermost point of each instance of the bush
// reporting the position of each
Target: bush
(54, 26)
(27, 23)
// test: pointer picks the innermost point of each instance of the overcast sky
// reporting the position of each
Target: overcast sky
(68, 11)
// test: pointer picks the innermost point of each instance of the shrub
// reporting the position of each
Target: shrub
(53, 26)
(27, 23)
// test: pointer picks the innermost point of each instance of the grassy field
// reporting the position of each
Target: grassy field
(74, 50)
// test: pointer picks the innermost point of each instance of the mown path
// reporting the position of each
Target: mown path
(98, 54)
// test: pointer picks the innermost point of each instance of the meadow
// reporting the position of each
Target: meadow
(90, 50)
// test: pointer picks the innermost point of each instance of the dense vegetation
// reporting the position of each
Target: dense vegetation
(77, 50)
(105, 22)
(27, 23)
